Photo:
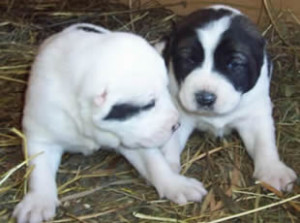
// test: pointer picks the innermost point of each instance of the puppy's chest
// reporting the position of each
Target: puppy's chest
(216, 126)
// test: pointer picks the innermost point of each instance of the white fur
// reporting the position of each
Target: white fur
(250, 114)
(217, 7)
(75, 80)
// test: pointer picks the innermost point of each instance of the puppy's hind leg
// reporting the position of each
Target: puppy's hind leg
(152, 165)
(41, 201)
(258, 134)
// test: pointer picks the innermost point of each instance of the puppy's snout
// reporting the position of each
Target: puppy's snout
(175, 127)
(205, 98)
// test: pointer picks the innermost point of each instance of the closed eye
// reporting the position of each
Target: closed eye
(121, 112)
(237, 63)
(148, 106)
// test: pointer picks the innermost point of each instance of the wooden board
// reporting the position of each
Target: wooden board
(253, 8)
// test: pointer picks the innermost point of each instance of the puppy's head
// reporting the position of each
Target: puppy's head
(134, 103)
(216, 55)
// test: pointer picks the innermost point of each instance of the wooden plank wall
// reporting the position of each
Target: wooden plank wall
(253, 8)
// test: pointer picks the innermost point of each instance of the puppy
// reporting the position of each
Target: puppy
(92, 88)
(220, 77)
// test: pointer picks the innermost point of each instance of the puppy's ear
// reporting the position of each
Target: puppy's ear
(100, 98)
(160, 46)
(163, 47)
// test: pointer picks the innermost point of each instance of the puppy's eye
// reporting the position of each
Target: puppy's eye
(237, 63)
(186, 56)
(234, 65)
(150, 105)
(190, 61)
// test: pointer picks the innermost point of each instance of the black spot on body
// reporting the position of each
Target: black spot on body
(89, 29)
(240, 53)
(121, 112)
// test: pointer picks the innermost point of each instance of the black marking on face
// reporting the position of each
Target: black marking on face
(89, 29)
(239, 55)
(187, 56)
(183, 47)
(121, 112)
(201, 18)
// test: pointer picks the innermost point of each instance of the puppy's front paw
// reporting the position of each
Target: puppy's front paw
(35, 208)
(180, 189)
(277, 174)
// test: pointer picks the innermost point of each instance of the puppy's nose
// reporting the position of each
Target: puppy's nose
(205, 98)
(175, 127)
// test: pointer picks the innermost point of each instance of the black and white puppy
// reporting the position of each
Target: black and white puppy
(91, 88)
(220, 77)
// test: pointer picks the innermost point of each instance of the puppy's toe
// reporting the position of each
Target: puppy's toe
(181, 189)
(35, 207)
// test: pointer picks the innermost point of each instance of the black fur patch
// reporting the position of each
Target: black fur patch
(183, 47)
(186, 56)
(201, 18)
(239, 55)
(121, 112)
(89, 29)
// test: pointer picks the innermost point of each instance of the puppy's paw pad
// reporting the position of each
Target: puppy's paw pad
(34, 208)
(278, 175)
(181, 190)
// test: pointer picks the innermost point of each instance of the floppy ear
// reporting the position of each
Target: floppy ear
(160, 46)
(100, 98)
(163, 47)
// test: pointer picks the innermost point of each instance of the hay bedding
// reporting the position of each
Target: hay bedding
(104, 187)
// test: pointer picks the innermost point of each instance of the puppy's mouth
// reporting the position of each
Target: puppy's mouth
(206, 111)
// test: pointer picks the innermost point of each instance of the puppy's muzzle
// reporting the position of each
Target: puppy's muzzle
(205, 98)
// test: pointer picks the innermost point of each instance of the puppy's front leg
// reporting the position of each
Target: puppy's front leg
(41, 201)
(173, 148)
(258, 134)
(153, 166)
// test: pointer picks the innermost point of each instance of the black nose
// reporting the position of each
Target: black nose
(175, 127)
(205, 98)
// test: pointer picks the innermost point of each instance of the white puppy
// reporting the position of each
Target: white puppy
(220, 76)
(92, 88)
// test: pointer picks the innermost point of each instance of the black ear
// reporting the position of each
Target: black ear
(169, 44)
(250, 28)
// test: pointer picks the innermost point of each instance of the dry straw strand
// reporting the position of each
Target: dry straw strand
(256, 209)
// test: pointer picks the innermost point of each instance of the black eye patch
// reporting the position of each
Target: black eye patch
(188, 55)
(88, 29)
(121, 112)
(240, 54)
